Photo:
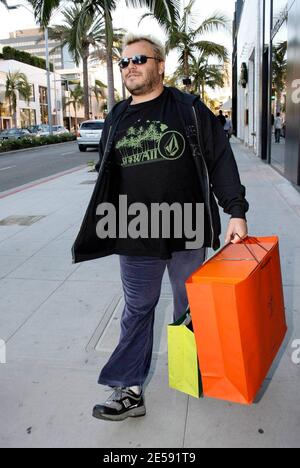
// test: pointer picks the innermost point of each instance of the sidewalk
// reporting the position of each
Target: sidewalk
(60, 323)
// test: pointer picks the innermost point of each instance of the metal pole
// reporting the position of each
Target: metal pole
(70, 118)
(48, 82)
(55, 94)
(270, 128)
(1, 116)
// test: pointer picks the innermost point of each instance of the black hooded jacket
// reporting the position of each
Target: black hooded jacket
(215, 163)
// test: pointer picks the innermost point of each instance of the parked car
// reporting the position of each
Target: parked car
(14, 134)
(89, 134)
(59, 130)
(44, 130)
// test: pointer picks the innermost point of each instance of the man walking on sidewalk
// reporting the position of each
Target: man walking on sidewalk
(159, 146)
(278, 124)
(228, 127)
(221, 118)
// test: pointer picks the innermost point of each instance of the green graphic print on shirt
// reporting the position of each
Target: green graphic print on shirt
(152, 143)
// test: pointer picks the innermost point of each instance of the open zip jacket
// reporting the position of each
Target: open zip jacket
(215, 165)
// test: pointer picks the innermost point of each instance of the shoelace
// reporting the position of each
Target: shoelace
(117, 394)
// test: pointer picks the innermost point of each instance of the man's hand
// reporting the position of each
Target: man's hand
(236, 226)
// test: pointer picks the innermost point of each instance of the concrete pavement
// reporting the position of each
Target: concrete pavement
(60, 323)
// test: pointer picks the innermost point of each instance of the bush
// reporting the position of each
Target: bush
(9, 53)
(31, 142)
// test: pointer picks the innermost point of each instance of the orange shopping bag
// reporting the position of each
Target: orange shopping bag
(237, 308)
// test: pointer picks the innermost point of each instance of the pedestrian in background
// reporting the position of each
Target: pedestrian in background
(221, 118)
(278, 124)
(228, 127)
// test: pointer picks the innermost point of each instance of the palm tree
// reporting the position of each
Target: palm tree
(166, 12)
(99, 90)
(79, 35)
(187, 40)
(16, 85)
(205, 74)
(100, 54)
(76, 100)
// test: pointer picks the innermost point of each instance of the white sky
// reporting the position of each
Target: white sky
(123, 17)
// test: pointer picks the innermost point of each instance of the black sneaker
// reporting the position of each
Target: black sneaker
(122, 404)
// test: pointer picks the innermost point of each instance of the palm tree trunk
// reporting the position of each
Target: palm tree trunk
(10, 106)
(186, 64)
(278, 103)
(123, 90)
(15, 111)
(76, 123)
(203, 91)
(86, 84)
(110, 69)
(187, 70)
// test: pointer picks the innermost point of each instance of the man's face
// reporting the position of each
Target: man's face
(142, 79)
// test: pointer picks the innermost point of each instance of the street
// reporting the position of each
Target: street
(23, 167)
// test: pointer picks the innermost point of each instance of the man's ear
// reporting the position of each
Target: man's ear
(162, 66)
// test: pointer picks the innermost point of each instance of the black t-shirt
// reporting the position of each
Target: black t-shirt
(153, 164)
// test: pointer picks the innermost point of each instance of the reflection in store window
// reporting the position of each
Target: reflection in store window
(279, 92)
(279, 8)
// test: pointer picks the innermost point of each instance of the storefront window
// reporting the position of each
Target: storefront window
(43, 104)
(278, 98)
(28, 117)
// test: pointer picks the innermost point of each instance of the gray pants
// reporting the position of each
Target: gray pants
(142, 277)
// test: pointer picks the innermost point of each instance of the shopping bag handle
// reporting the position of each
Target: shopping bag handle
(248, 248)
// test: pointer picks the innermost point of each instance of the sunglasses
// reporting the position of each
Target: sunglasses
(136, 60)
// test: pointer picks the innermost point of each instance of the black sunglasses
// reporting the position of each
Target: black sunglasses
(136, 60)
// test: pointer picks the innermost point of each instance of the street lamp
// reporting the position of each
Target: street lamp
(15, 7)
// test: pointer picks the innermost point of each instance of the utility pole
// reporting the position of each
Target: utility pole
(48, 81)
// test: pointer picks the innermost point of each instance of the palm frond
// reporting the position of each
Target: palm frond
(43, 10)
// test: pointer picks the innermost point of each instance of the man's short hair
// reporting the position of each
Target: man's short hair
(158, 48)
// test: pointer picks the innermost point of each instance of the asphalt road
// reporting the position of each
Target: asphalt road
(28, 166)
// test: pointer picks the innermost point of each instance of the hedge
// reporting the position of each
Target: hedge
(31, 142)
(9, 53)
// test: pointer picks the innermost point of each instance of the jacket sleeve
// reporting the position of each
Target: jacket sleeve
(103, 141)
(223, 171)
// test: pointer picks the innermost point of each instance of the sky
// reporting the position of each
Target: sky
(122, 18)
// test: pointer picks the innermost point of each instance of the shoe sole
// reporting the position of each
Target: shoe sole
(135, 413)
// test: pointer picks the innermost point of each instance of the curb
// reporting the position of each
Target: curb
(35, 148)
(30, 185)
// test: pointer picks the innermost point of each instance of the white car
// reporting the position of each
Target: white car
(89, 134)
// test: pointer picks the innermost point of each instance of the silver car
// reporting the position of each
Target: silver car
(44, 130)
(89, 134)
(14, 134)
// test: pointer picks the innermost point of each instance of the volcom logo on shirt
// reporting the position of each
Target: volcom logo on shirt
(154, 143)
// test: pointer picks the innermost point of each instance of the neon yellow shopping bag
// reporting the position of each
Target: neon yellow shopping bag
(184, 373)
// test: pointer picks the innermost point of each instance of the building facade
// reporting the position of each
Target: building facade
(266, 83)
(36, 110)
(33, 42)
